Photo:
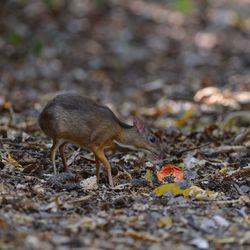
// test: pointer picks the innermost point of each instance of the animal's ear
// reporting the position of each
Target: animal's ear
(139, 124)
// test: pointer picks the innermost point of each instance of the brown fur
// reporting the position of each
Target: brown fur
(71, 118)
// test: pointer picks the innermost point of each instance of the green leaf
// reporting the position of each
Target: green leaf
(228, 240)
(15, 39)
(36, 48)
(184, 6)
(149, 175)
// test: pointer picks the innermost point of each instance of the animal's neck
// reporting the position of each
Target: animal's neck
(127, 138)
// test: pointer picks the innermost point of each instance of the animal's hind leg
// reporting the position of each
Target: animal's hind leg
(55, 146)
(61, 151)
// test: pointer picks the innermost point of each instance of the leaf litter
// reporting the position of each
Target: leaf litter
(202, 125)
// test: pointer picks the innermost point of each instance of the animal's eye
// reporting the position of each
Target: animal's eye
(152, 139)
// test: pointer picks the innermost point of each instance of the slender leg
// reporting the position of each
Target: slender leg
(97, 162)
(61, 151)
(55, 146)
(101, 156)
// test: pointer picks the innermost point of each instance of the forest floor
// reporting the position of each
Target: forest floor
(181, 65)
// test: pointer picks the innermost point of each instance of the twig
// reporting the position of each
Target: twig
(179, 153)
(82, 199)
(191, 149)
(122, 186)
(87, 158)
(73, 157)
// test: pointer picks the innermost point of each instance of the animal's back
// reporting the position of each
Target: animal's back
(74, 118)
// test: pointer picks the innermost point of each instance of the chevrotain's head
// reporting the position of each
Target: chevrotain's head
(147, 140)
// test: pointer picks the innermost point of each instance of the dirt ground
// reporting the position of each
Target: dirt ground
(181, 65)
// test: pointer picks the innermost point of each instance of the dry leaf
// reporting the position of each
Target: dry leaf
(201, 194)
(187, 115)
(172, 188)
(142, 236)
(10, 160)
(193, 191)
(165, 222)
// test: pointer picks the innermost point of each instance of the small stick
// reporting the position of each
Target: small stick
(191, 149)
(87, 158)
(82, 199)
(73, 157)
(181, 152)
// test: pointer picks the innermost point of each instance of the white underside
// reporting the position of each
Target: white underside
(130, 146)
(125, 146)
